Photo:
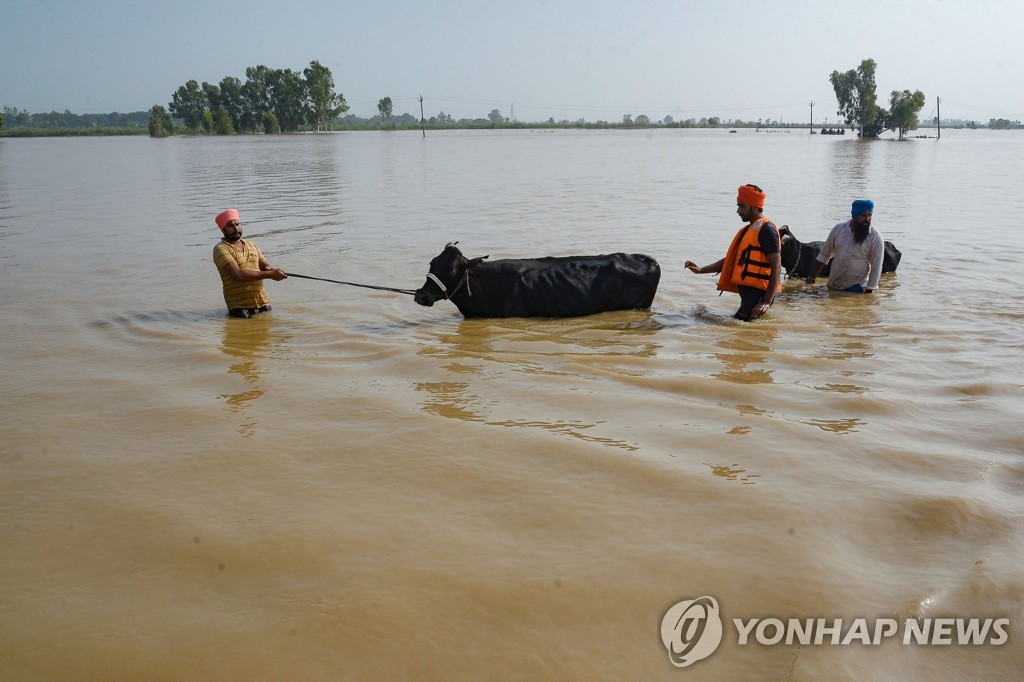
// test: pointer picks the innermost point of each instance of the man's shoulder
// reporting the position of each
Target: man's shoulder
(769, 238)
(223, 252)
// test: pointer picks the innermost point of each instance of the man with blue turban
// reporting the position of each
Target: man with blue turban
(856, 250)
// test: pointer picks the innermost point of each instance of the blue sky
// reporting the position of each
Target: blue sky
(538, 59)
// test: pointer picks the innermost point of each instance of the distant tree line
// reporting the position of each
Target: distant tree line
(497, 120)
(13, 118)
(269, 101)
(1003, 124)
(160, 122)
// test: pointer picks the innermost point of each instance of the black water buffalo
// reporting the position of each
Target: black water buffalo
(798, 257)
(570, 286)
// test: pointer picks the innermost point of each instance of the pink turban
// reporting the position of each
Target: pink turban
(226, 217)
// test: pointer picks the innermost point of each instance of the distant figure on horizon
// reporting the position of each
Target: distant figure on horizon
(856, 250)
(752, 266)
(242, 269)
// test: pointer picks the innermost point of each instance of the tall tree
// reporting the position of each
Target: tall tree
(904, 107)
(855, 92)
(231, 98)
(324, 103)
(384, 107)
(188, 103)
(160, 124)
(207, 121)
(269, 123)
(255, 96)
(288, 98)
(222, 122)
(213, 99)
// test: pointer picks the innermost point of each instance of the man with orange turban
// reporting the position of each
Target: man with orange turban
(752, 266)
(242, 269)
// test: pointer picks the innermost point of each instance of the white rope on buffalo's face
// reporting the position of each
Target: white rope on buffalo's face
(444, 290)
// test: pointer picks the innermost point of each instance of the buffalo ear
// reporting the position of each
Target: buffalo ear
(476, 261)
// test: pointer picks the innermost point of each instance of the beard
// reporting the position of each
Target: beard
(860, 232)
(233, 237)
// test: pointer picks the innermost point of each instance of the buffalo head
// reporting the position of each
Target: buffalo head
(448, 272)
(789, 249)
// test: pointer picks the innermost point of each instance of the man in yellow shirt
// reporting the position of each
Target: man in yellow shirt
(242, 269)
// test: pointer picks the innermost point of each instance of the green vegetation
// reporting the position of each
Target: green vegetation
(160, 123)
(855, 91)
(273, 101)
(385, 109)
(21, 123)
(270, 124)
(305, 101)
(858, 103)
(903, 109)
(1004, 124)
(324, 103)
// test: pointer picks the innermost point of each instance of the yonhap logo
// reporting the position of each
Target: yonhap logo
(691, 630)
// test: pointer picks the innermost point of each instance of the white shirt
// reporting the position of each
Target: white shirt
(853, 263)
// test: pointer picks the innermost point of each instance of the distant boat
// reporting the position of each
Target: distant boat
(833, 131)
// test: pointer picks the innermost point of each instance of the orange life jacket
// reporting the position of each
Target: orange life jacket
(746, 263)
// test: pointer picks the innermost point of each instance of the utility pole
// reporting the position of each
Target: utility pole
(812, 117)
(423, 121)
(938, 120)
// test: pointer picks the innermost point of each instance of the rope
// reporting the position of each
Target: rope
(409, 292)
(444, 290)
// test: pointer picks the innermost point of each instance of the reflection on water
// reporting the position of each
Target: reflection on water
(454, 400)
(574, 429)
(733, 472)
(750, 344)
(841, 388)
(484, 354)
(450, 399)
(617, 333)
(529, 343)
(751, 410)
(836, 425)
(850, 161)
(247, 343)
(848, 346)
(849, 321)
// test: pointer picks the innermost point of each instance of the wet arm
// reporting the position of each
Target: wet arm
(265, 272)
(815, 269)
(715, 267)
(877, 255)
